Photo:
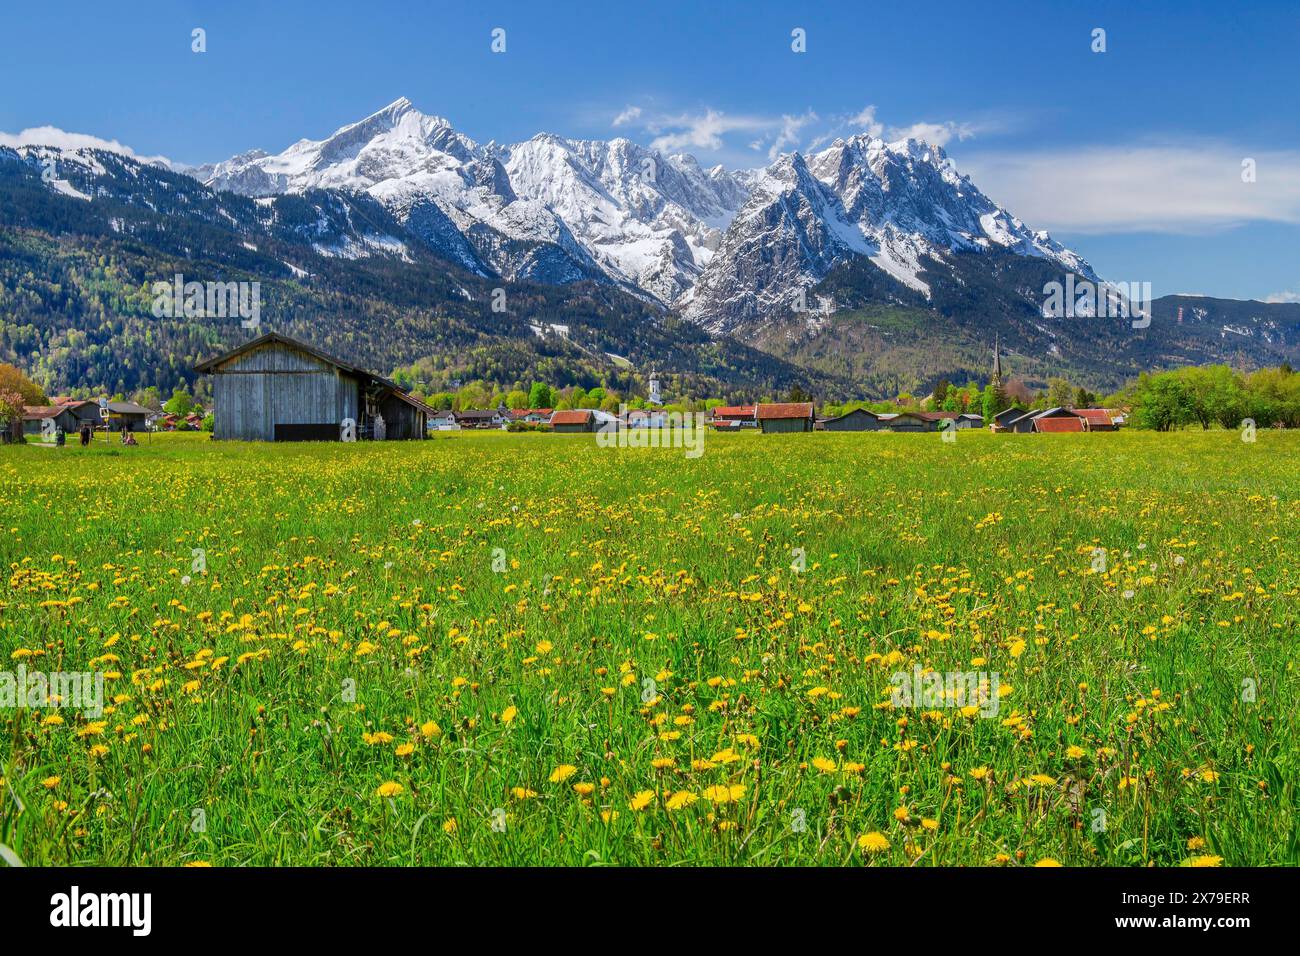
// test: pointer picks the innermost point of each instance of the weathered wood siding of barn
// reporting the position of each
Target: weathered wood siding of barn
(858, 420)
(279, 385)
(786, 424)
(402, 420)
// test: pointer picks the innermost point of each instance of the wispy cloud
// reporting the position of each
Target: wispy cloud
(703, 130)
(61, 139)
(936, 134)
(709, 130)
(1283, 297)
(1181, 188)
(629, 115)
(789, 132)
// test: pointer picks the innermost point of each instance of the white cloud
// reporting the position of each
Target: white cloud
(866, 122)
(703, 131)
(789, 134)
(1283, 297)
(61, 139)
(1187, 187)
(936, 134)
(629, 114)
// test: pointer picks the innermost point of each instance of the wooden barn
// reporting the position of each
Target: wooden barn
(907, 422)
(573, 420)
(275, 388)
(857, 420)
(785, 417)
(1056, 419)
(34, 417)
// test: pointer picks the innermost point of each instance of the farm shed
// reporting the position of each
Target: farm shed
(785, 417)
(573, 420)
(858, 420)
(34, 417)
(909, 422)
(127, 416)
(1056, 419)
(1099, 419)
(275, 388)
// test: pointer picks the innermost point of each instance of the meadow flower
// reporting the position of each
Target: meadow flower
(873, 842)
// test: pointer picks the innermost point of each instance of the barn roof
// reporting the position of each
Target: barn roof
(33, 412)
(1073, 424)
(574, 416)
(275, 337)
(1095, 416)
(745, 411)
(785, 410)
(128, 408)
(852, 412)
(935, 416)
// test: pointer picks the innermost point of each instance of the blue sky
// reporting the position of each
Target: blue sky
(1132, 156)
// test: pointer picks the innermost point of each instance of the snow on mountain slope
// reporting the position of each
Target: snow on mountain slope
(902, 205)
(722, 246)
(610, 209)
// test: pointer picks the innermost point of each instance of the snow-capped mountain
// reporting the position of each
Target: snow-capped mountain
(724, 247)
(548, 209)
(901, 205)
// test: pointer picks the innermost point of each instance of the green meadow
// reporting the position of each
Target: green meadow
(511, 649)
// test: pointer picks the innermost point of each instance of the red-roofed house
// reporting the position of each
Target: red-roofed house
(733, 416)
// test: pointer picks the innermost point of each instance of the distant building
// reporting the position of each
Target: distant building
(785, 417)
(573, 420)
(732, 417)
(1056, 419)
(275, 388)
(482, 418)
(1099, 419)
(908, 422)
(857, 420)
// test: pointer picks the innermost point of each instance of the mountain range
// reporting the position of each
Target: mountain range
(859, 268)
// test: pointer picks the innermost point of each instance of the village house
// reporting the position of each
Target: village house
(531, 416)
(732, 417)
(785, 417)
(483, 418)
(275, 388)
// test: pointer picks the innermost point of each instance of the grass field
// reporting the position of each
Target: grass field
(513, 649)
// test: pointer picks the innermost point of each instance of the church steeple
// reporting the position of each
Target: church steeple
(997, 361)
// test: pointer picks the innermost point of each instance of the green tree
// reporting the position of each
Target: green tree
(180, 403)
(539, 396)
